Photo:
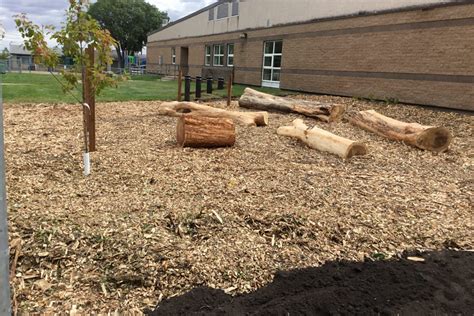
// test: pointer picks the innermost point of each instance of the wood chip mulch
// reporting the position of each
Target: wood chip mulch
(155, 220)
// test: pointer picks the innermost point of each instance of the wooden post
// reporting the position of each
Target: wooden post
(90, 99)
(180, 84)
(229, 89)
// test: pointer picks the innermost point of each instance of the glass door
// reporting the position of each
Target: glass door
(272, 64)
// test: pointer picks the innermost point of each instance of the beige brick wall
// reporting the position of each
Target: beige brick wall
(422, 56)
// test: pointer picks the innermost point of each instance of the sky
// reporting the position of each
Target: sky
(51, 12)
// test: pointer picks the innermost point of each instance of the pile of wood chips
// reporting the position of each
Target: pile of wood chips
(154, 220)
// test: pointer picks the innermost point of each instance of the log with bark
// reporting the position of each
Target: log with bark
(326, 112)
(178, 109)
(323, 140)
(431, 138)
(205, 132)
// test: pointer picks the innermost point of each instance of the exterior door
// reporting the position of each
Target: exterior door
(183, 62)
(272, 64)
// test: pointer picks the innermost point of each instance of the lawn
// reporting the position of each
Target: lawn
(45, 88)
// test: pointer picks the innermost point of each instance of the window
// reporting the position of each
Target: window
(218, 55)
(173, 56)
(272, 63)
(235, 7)
(223, 11)
(208, 56)
(160, 60)
(211, 14)
(230, 55)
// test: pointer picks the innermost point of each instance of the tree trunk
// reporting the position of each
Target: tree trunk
(431, 138)
(323, 140)
(120, 56)
(253, 99)
(178, 109)
(205, 132)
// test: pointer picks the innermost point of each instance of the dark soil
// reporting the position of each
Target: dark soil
(442, 284)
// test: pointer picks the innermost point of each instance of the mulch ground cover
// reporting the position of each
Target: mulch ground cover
(154, 220)
(436, 283)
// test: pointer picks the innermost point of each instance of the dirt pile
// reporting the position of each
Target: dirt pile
(441, 284)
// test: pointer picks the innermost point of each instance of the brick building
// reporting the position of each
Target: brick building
(414, 51)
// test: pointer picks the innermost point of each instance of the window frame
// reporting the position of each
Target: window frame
(235, 8)
(212, 14)
(230, 55)
(221, 55)
(206, 55)
(271, 83)
(226, 4)
(173, 55)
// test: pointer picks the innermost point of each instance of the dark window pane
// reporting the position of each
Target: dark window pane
(276, 75)
(235, 7)
(211, 14)
(268, 47)
(223, 11)
(268, 62)
(230, 61)
(230, 49)
(278, 47)
(277, 61)
(267, 74)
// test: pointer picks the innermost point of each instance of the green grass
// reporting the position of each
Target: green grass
(44, 88)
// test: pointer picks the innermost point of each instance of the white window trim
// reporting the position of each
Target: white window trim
(208, 55)
(214, 55)
(229, 55)
(271, 83)
(173, 56)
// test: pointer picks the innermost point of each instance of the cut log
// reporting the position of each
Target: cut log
(253, 99)
(178, 109)
(323, 140)
(205, 132)
(431, 138)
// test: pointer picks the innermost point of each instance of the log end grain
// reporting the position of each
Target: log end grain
(356, 149)
(436, 139)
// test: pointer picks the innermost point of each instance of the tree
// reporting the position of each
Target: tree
(129, 22)
(81, 37)
(5, 54)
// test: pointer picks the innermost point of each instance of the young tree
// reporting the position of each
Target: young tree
(129, 22)
(81, 37)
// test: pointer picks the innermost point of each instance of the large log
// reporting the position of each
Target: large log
(178, 109)
(431, 138)
(253, 99)
(323, 140)
(205, 132)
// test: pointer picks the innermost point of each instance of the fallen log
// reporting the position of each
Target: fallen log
(323, 140)
(431, 138)
(205, 132)
(178, 109)
(253, 99)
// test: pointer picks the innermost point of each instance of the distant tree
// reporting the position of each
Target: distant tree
(129, 22)
(4, 54)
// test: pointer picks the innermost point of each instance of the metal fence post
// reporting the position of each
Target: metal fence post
(198, 87)
(220, 83)
(209, 85)
(187, 88)
(5, 304)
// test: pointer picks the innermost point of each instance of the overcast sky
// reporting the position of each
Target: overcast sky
(52, 12)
